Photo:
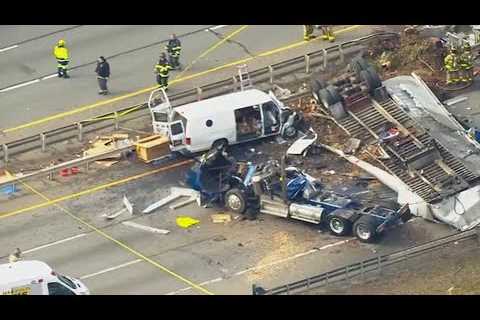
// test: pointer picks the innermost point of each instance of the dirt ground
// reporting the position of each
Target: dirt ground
(454, 270)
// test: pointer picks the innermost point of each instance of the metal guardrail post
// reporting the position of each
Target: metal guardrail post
(325, 59)
(235, 85)
(341, 53)
(5, 152)
(44, 141)
(308, 282)
(116, 124)
(270, 69)
(254, 290)
(80, 131)
(307, 64)
(199, 93)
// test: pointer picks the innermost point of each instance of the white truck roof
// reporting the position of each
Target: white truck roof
(12, 272)
(229, 101)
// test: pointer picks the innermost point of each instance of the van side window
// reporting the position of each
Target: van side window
(249, 125)
(209, 123)
(56, 289)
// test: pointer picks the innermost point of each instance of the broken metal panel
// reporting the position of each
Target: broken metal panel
(461, 210)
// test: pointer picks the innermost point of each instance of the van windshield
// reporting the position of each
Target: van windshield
(66, 281)
(160, 116)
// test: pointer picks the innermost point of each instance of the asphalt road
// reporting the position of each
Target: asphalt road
(134, 50)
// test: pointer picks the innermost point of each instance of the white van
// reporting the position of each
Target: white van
(37, 278)
(224, 120)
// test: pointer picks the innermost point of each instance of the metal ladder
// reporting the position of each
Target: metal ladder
(244, 77)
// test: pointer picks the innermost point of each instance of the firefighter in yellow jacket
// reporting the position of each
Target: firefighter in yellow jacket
(452, 66)
(308, 32)
(466, 64)
(63, 58)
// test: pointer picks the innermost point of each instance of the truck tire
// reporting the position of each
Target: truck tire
(339, 226)
(317, 85)
(220, 143)
(358, 64)
(328, 96)
(371, 79)
(365, 229)
(236, 201)
(376, 78)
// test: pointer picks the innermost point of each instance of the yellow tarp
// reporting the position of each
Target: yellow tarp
(186, 222)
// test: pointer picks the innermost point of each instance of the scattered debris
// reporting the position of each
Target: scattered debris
(450, 290)
(128, 208)
(301, 145)
(175, 193)
(219, 238)
(152, 148)
(186, 222)
(128, 204)
(108, 144)
(114, 215)
(145, 228)
(106, 163)
(240, 244)
(221, 218)
(352, 146)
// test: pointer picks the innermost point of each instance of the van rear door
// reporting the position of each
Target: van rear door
(176, 133)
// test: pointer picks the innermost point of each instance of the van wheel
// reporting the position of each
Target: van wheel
(220, 144)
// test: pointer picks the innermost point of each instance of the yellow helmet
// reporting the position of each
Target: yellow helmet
(467, 46)
(61, 43)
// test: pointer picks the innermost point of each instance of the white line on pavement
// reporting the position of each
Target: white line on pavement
(217, 27)
(20, 85)
(48, 77)
(9, 48)
(110, 269)
(267, 265)
(55, 243)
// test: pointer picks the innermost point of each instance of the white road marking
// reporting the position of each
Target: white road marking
(9, 48)
(217, 27)
(267, 265)
(110, 269)
(48, 77)
(54, 243)
(20, 85)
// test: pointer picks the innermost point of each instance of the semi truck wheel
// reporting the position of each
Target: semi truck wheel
(328, 96)
(339, 226)
(357, 65)
(371, 78)
(236, 201)
(365, 229)
(317, 85)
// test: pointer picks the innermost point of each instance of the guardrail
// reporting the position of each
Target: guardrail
(263, 75)
(359, 269)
